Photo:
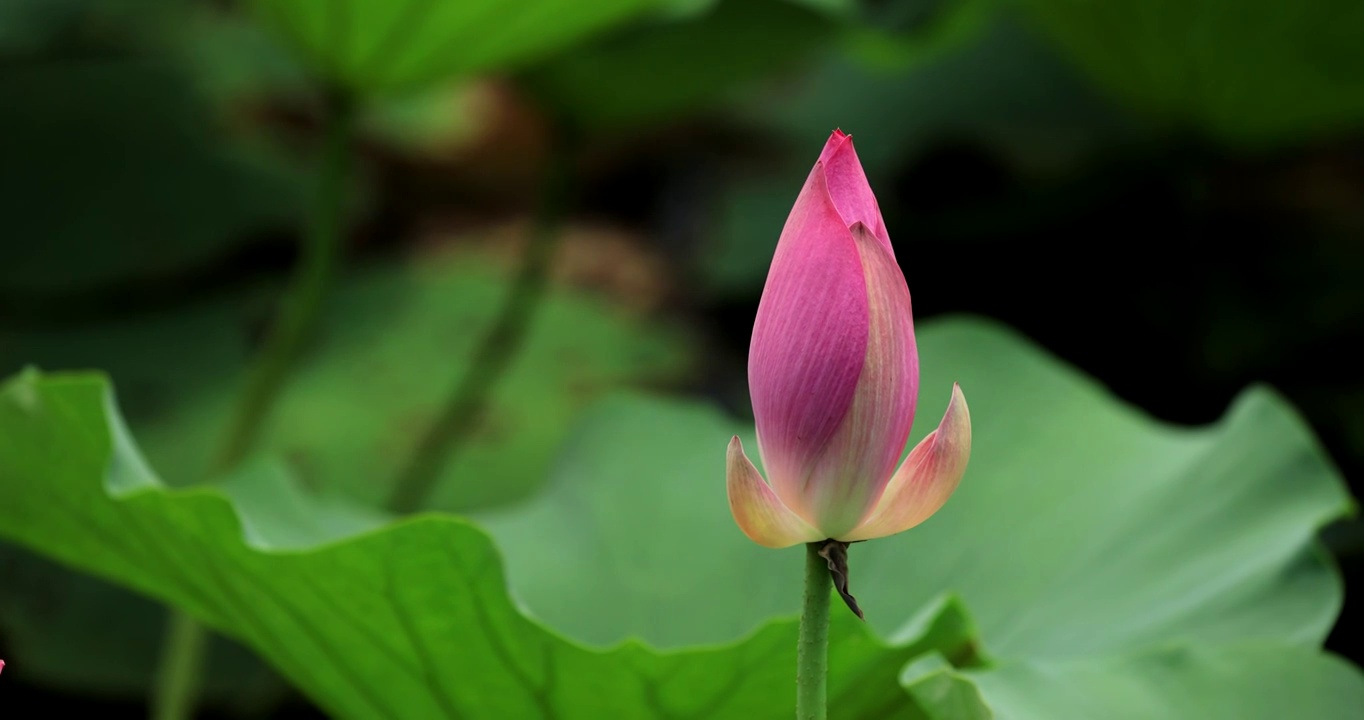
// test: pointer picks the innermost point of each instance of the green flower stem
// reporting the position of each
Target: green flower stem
(812, 654)
(180, 668)
(465, 407)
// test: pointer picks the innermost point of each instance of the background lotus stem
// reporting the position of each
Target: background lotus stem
(300, 309)
(466, 406)
(180, 668)
(812, 654)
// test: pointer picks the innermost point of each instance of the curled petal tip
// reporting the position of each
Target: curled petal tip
(848, 187)
(758, 511)
(926, 479)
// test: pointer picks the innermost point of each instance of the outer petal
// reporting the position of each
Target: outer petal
(926, 479)
(760, 514)
(849, 189)
(809, 342)
(859, 460)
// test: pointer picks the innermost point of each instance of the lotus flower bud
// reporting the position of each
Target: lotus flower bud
(834, 375)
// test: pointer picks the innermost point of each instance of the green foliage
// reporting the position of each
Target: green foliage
(1240, 681)
(148, 180)
(943, 691)
(1113, 567)
(380, 45)
(412, 620)
(354, 410)
(29, 25)
(58, 622)
(1083, 532)
(971, 74)
(672, 66)
(393, 341)
(1256, 72)
(1101, 554)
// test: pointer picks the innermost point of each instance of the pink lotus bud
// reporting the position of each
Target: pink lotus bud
(834, 375)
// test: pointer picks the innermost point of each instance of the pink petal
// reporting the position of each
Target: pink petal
(809, 341)
(757, 510)
(927, 478)
(849, 189)
(849, 479)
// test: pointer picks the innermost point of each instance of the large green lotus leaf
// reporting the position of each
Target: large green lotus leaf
(1081, 526)
(377, 45)
(675, 65)
(1083, 531)
(1246, 682)
(1258, 71)
(56, 629)
(57, 621)
(393, 343)
(407, 620)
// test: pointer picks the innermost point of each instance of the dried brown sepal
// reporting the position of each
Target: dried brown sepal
(836, 554)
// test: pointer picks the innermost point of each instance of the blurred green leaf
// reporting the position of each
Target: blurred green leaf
(235, 62)
(971, 73)
(895, 88)
(42, 28)
(392, 343)
(1257, 72)
(380, 45)
(28, 26)
(426, 123)
(411, 620)
(691, 8)
(672, 66)
(1082, 532)
(112, 173)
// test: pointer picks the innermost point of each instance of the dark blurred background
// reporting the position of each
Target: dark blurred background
(1167, 194)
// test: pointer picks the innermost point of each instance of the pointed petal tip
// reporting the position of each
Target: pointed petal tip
(926, 479)
(837, 139)
(957, 411)
(848, 187)
(757, 510)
